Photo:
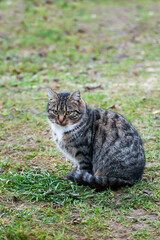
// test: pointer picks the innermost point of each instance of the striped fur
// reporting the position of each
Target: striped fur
(105, 148)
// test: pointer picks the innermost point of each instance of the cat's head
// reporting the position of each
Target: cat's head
(65, 108)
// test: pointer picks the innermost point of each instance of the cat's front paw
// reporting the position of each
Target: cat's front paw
(75, 176)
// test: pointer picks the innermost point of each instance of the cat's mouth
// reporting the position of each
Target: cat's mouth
(61, 123)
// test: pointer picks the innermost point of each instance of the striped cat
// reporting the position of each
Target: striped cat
(106, 149)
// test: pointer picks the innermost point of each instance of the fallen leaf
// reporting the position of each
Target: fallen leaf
(77, 220)
(107, 46)
(147, 191)
(18, 109)
(45, 205)
(143, 98)
(17, 70)
(115, 106)
(74, 194)
(94, 58)
(80, 30)
(56, 206)
(151, 179)
(15, 199)
(122, 56)
(50, 192)
(135, 73)
(56, 79)
(157, 117)
(49, 2)
(156, 112)
(92, 86)
(42, 54)
(150, 137)
(20, 169)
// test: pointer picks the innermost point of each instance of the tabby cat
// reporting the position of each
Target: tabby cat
(106, 149)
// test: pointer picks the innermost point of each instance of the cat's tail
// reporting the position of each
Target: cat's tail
(97, 182)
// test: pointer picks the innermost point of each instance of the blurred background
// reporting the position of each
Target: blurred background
(90, 44)
(110, 51)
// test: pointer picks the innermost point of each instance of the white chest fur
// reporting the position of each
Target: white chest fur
(58, 133)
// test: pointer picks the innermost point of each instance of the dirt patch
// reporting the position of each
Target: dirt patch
(141, 214)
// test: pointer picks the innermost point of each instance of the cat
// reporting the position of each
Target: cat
(104, 146)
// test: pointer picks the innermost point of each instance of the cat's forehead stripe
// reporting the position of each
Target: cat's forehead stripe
(62, 101)
(64, 95)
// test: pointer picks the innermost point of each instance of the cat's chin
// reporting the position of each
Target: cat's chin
(65, 124)
(62, 125)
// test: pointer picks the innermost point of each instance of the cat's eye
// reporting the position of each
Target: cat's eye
(55, 112)
(68, 112)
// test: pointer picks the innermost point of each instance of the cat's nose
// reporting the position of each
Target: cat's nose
(61, 119)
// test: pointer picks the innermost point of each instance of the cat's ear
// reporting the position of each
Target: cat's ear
(76, 95)
(52, 94)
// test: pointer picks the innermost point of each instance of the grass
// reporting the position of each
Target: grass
(72, 45)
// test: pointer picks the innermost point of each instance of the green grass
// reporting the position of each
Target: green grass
(69, 45)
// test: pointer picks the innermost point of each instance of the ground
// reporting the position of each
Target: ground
(109, 50)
